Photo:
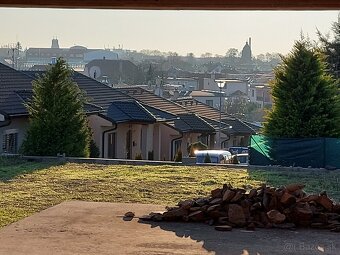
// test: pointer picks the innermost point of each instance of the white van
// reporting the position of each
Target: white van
(216, 156)
(242, 159)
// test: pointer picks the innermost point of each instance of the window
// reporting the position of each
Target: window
(10, 142)
(209, 102)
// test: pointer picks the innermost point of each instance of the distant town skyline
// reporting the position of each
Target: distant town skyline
(183, 32)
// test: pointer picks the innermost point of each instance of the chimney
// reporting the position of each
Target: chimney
(250, 42)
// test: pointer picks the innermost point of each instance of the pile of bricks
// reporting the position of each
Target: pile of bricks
(264, 207)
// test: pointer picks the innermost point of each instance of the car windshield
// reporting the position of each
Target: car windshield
(213, 159)
(242, 159)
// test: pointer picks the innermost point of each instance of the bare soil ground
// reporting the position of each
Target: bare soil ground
(77, 227)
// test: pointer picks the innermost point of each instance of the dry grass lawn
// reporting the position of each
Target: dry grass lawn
(29, 187)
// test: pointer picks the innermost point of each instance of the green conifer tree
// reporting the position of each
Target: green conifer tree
(58, 123)
(306, 98)
(331, 48)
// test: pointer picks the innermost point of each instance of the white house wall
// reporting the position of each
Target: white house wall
(232, 87)
(187, 139)
(17, 124)
(210, 84)
(166, 136)
(98, 126)
(100, 54)
(215, 100)
(188, 84)
(229, 87)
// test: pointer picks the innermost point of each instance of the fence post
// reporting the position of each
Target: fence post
(324, 152)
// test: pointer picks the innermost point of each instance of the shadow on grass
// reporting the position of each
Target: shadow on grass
(261, 241)
(315, 181)
(11, 167)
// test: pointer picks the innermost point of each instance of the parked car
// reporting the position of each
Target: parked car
(238, 150)
(242, 159)
(215, 156)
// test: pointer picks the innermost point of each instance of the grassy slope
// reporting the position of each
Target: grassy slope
(26, 187)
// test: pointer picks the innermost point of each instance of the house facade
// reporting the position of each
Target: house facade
(229, 132)
(116, 71)
(260, 90)
(261, 94)
(212, 98)
(230, 85)
(122, 125)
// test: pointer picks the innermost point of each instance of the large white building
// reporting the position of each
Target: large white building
(230, 85)
(188, 84)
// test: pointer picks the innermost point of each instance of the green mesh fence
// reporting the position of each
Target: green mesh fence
(259, 150)
(303, 152)
(332, 152)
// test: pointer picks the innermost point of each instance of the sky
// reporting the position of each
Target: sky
(177, 31)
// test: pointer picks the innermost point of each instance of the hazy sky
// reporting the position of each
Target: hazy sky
(180, 31)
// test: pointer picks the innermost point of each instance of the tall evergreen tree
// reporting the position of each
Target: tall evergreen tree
(150, 76)
(306, 98)
(58, 123)
(331, 48)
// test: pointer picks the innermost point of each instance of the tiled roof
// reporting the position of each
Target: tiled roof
(231, 126)
(12, 80)
(226, 128)
(238, 126)
(212, 115)
(199, 93)
(159, 114)
(153, 100)
(25, 95)
(96, 92)
(129, 111)
(255, 127)
(201, 109)
(14, 104)
(190, 122)
(15, 87)
(92, 108)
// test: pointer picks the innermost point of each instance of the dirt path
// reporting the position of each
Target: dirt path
(98, 228)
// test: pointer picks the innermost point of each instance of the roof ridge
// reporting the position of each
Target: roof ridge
(246, 125)
(210, 107)
(197, 116)
(146, 110)
(155, 108)
(153, 94)
(136, 103)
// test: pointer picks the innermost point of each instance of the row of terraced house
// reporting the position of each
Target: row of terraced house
(126, 121)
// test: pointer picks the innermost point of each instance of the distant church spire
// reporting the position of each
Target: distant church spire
(246, 52)
(55, 43)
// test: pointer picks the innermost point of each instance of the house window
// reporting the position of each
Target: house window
(10, 142)
(209, 102)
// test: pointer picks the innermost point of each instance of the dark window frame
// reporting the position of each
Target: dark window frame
(10, 142)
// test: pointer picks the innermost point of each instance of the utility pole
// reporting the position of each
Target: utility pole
(15, 49)
(13, 58)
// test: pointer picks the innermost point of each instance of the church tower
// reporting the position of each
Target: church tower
(246, 53)
(55, 43)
